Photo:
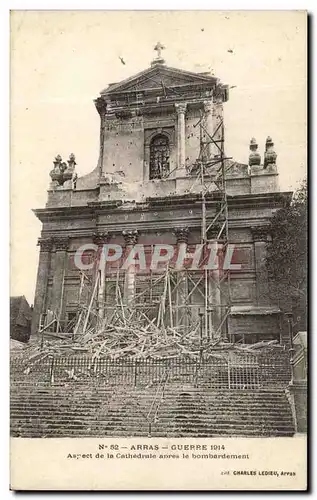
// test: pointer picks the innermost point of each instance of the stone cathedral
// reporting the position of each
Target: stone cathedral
(145, 189)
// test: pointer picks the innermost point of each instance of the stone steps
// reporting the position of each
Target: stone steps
(164, 417)
(135, 426)
(78, 409)
(97, 395)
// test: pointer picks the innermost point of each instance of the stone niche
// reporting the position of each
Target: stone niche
(167, 131)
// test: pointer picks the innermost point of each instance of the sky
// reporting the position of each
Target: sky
(61, 60)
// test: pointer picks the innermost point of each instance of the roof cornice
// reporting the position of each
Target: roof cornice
(91, 210)
(160, 69)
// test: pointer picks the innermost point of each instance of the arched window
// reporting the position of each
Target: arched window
(159, 157)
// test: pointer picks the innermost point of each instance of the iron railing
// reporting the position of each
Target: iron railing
(233, 371)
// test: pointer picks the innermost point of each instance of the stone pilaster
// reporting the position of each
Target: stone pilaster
(213, 123)
(209, 150)
(181, 110)
(182, 234)
(101, 106)
(61, 246)
(131, 239)
(100, 239)
(46, 245)
(260, 238)
(214, 284)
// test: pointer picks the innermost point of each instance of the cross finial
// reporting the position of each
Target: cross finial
(159, 47)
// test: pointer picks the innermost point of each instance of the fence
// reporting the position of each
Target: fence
(234, 371)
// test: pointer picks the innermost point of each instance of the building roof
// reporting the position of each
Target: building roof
(157, 76)
(20, 310)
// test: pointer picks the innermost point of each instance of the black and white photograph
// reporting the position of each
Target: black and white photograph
(158, 226)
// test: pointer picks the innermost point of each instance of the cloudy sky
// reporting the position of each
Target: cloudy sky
(61, 60)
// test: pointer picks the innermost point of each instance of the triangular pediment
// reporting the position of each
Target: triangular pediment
(158, 76)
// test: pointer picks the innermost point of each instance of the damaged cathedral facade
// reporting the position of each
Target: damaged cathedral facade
(163, 178)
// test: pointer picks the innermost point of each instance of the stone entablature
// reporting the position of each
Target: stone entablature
(238, 183)
(157, 213)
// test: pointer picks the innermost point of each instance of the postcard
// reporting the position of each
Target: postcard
(158, 309)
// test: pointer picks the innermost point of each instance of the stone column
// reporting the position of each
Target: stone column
(181, 109)
(101, 106)
(214, 285)
(217, 120)
(181, 318)
(61, 246)
(260, 238)
(130, 238)
(209, 150)
(46, 245)
(213, 119)
(101, 239)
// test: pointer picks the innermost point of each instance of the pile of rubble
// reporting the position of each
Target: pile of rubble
(130, 337)
(129, 332)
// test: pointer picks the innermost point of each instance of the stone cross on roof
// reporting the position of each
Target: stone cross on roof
(159, 47)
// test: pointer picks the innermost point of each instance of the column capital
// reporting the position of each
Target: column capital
(207, 106)
(181, 234)
(45, 244)
(101, 238)
(180, 107)
(130, 237)
(260, 233)
(61, 243)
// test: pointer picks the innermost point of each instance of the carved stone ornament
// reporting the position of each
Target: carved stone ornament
(57, 174)
(269, 155)
(207, 106)
(101, 238)
(69, 172)
(46, 244)
(180, 107)
(181, 234)
(61, 243)
(61, 171)
(130, 237)
(254, 156)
